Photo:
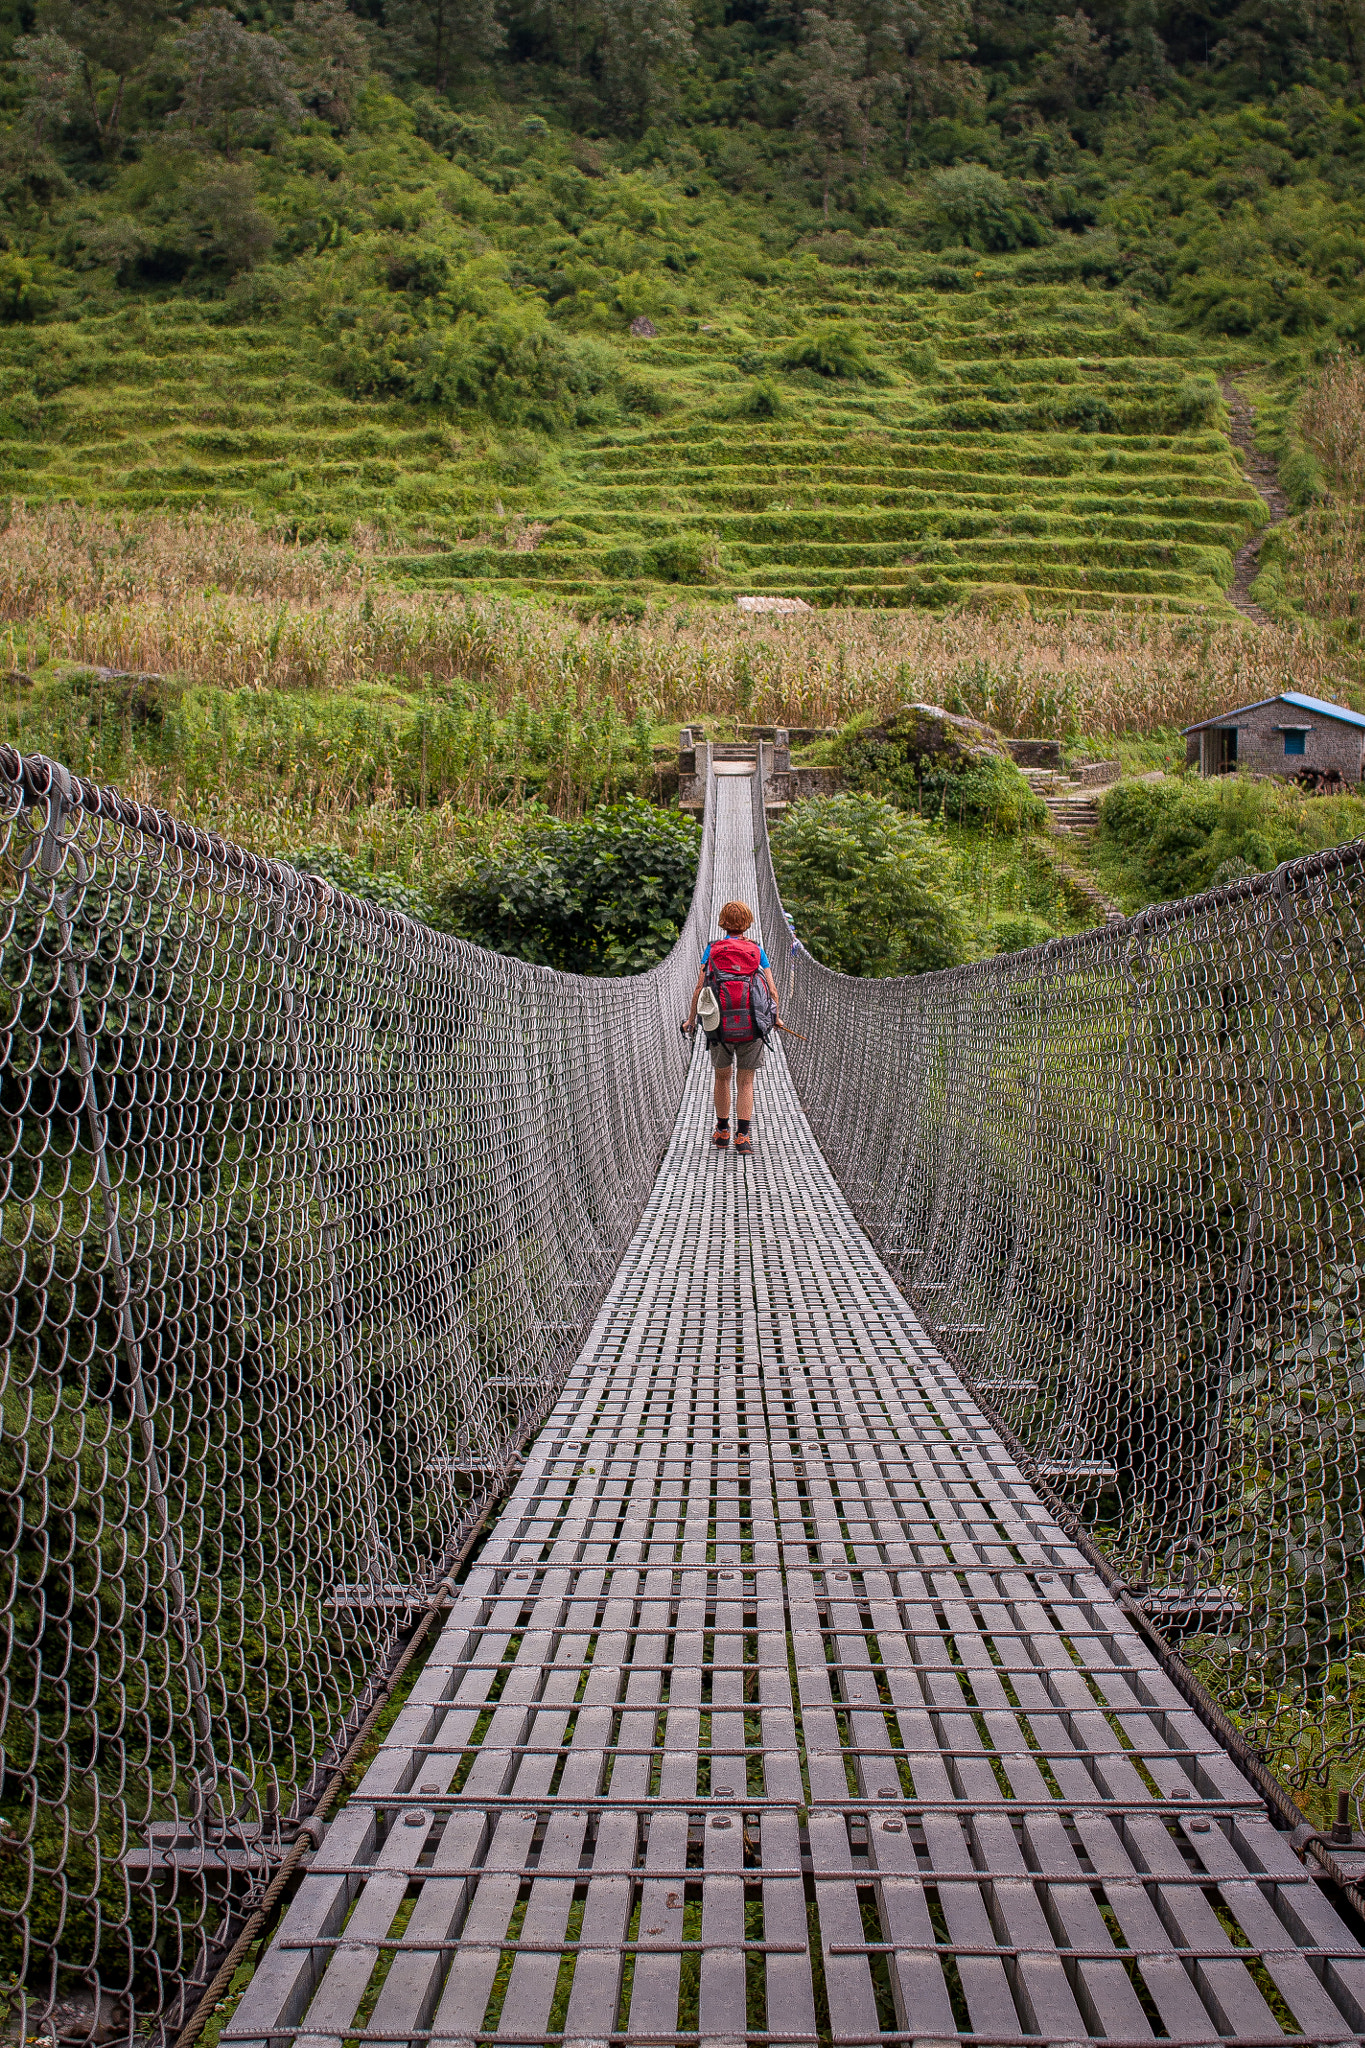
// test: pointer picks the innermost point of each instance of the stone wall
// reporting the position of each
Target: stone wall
(797, 784)
(1035, 753)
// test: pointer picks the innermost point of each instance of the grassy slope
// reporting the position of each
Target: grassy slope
(1026, 439)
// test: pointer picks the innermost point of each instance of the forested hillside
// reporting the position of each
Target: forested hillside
(877, 302)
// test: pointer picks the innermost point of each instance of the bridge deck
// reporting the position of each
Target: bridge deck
(778, 1707)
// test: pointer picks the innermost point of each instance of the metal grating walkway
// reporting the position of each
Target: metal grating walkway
(778, 1708)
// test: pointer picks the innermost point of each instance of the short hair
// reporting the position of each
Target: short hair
(735, 917)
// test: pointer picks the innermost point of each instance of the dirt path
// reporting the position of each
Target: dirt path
(1261, 472)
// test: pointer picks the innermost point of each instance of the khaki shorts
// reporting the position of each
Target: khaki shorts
(747, 1058)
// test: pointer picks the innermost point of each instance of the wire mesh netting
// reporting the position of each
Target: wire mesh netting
(1119, 1176)
(304, 1208)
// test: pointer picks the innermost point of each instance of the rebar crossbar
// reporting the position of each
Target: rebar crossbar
(786, 1702)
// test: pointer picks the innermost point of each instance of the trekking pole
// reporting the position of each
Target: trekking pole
(792, 1034)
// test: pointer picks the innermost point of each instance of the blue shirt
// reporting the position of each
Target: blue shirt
(762, 956)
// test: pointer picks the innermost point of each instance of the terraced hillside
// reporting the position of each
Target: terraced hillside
(1027, 443)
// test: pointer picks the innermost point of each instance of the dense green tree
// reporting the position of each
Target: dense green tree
(644, 44)
(331, 59)
(1073, 71)
(870, 889)
(110, 42)
(926, 47)
(442, 41)
(834, 93)
(50, 77)
(1143, 66)
(234, 82)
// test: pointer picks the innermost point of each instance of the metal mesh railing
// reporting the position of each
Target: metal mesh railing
(304, 1209)
(1120, 1177)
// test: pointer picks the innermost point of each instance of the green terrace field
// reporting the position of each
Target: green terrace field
(1013, 444)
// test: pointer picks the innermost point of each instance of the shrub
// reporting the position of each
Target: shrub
(870, 889)
(607, 895)
(511, 364)
(23, 296)
(762, 401)
(1192, 403)
(638, 394)
(1085, 412)
(183, 218)
(624, 563)
(1014, 931)
(978, 207)
(687, 558)
(835, 348)
(1301, 477)
(256, 295)
(380, 886)
(1163, 840)
(418, 268)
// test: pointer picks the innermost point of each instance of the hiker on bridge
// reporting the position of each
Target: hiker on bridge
(737, 997)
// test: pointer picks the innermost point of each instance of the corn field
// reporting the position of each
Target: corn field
(223, 604)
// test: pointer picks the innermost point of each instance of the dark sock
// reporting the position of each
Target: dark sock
(723, 1123)
(742, 1126)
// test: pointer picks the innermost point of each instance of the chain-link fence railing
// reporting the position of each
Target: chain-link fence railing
(304, 1209)
(1120, 1177)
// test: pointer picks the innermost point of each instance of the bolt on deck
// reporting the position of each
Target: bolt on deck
(778, 1708)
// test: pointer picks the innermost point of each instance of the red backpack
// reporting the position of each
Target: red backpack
(731, 969)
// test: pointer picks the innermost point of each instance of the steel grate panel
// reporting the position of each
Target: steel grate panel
(779, 1708)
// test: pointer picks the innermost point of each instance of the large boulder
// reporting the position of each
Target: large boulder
(940, 764)
(928, 732)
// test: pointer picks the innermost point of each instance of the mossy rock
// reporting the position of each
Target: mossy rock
(926, 732)
(940, 764)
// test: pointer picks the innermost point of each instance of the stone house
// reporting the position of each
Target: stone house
(1301, 738)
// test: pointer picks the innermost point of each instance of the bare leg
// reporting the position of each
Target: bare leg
(744, 1095)
(721, 1091)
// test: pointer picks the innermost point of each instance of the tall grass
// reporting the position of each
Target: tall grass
(224, 605)
(1327, 542)
(79, 556)
(1331, 418)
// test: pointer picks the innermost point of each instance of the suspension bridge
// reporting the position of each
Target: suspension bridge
(814, 1679)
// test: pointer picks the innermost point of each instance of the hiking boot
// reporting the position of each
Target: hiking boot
(719, 1138)
(743, 1142)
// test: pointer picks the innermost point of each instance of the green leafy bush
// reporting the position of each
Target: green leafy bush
(372, 885)
(687, 558)
(1163, 840)
(835, 348)
(23, 295)
(976, 206)
(638, 394)
(870, 889)
(607, 895)
(511, 364)
(1014, 931)
(624, 564)
(762, 401)
(180, 218)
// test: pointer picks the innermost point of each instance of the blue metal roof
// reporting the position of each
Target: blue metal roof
(1303, 703)
(1294, 697)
